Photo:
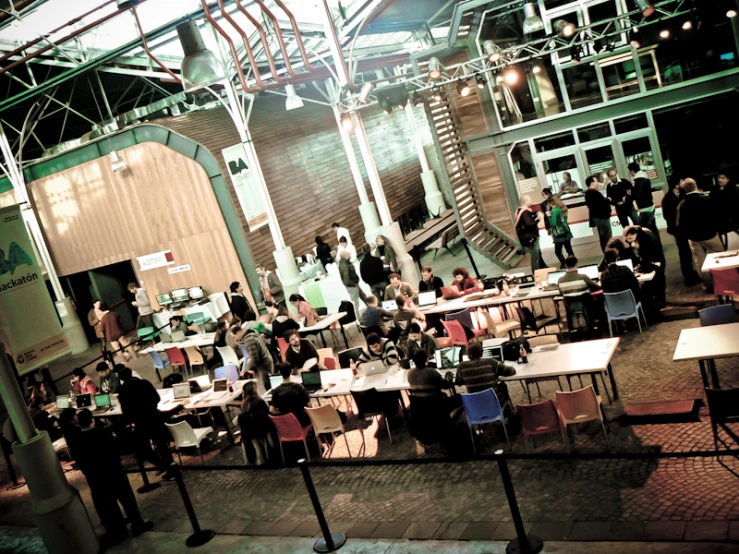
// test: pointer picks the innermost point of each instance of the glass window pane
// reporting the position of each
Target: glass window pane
(640, 151)
(619, 76)
(650, 69)
(553, 142)
(561, 175)
(631, 123)
(582, 85)
(525, 172)
(594, 132)
(600, 160)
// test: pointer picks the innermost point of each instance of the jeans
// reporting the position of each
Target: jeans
(624, 214)
(534, 250)
(567, 245)
(356, 294)
(106, 492)
(647, 219)
(605, 231)
(700, 249)
(686, 260)
(378, 290)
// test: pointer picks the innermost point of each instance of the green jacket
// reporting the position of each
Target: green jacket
(558, 223)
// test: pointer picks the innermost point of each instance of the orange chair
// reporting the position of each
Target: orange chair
(289, 430)
(283, 344)
(539, 419)
(329, 363)
(176, 358)
(580, 406)
(725, 282)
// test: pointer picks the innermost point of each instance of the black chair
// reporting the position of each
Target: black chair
(723, 406)
(372, 329)
(533, 322)
(371, 403)
(172, 379)
(322, 311)
(347, 356)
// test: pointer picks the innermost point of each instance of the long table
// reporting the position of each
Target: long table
(205, 339)
(705, 344)
(446, 220)
(721, 260)
(323, 324)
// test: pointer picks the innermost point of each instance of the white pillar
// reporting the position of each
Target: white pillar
(371, 167)
(434, 198)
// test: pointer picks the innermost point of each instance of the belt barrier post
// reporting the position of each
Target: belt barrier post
(11, 470)
(147, 487)
(330, 542)
(523, 544)
(199, 536)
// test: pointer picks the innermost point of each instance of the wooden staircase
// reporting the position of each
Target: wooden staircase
(461, 183)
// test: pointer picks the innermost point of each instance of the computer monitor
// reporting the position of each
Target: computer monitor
(448, 358)
(179, 295)
(626, 263)
(389, 305)
(589, 270)
(554, 276)
(102, 400)
(62, 402)
(83, 400)
(427, 298)
(196, 293)
(164, 299)
(275, 381)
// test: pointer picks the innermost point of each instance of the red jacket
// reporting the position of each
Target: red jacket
(111, 324)
(86, 386)
(469, 285)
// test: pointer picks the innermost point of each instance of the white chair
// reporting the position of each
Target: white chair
(228, 356)
(202, 380)
(187, 437)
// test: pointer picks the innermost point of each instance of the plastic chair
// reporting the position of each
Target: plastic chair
(197, 318)
(195, 357)
(326, 419)
(483, 407)
(465, 318)
(324, 353)
(329, 363)
(228, 356)
(717, 315)
(539, 419)
(230, 372)
(456, 333)
(621, 306)
(283, 345)
(497, 330)
(580, 406)
(371, 403)
(533, 322)
(289, 430)
(159, 363)
(444, 342)
(723, 406)
(176, 357)
(147, 333)
(725, 282)
(186, 437)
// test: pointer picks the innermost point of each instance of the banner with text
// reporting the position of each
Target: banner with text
(29, 324)
(247, 185)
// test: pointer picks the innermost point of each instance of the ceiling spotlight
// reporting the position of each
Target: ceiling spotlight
(645, 6)
(510, 76)
(463, 88)
(480, 81)
(346, 122)
(117, 163)
(536, 69)
(200, 67)
(731, 14)
(564, 28)
(687, 25)
(436, 94)
(293, 101)
(498, 79)
(532, 23)
(364, 93)
(491, 51)
(575, 54)
(434, 68)
(664, 34)
(634, 38)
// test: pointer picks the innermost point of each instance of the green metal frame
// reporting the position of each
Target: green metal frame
(170, 139)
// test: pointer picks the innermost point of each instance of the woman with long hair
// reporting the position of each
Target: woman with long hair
(561, 234)
(305, 310)
(387, 252)
(254, 424)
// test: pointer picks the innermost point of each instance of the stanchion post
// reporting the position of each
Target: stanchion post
(199, 536)
(11, 470)
(329, 542)
(147, 487)
(523, 544)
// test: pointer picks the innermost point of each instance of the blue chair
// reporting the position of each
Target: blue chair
(229, 372)
(483, 407)
(621, 306)
(717, 315)
(159, 363)
(244, 354)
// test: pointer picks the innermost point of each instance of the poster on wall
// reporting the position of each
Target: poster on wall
(247, 185)
(30, 330)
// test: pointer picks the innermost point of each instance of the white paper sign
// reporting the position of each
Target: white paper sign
(155, 260)
(246, 184)
(179, 269)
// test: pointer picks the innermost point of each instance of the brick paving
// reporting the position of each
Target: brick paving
(692, 499)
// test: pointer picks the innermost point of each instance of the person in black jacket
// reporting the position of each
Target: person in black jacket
(600, 211)
(429, 281)
(670, 203)
(239, 306)
(642, 194)
(697, 219)
(725, 199)
(372, 271)
(619, 192)
(527, 229)
(651, 258)
(323, 252)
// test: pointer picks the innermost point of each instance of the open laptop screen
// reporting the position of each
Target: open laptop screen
(447, 358)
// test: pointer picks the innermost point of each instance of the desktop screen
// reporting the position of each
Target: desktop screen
(179, 295)
(164, 299)
(196, 293)
(590, 270)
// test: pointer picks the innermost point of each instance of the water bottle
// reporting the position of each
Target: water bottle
(523, 354)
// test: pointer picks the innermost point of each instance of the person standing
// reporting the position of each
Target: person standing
(670, 203)
(725, 199)
(372, 271)
(643, 198)
(341, 232)
(697, 219)
(93, 318)
(651, 258)
(239, 305)
(305, 310)
(619, 193)
(561, 235)
(345, 246)
(387, 253)
(323, 252)
(111, 325)
(350, 280)
(260, 360)
(600, 211)
(527, 229)
(271, 286)
(143, 305)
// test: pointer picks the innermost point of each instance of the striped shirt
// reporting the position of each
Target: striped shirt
(388, 354)
(480, 375)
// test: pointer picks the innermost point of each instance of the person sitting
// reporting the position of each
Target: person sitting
(572, 276)
(109, 382)
(42, 391)
(372, 271)
(374, 316)
(424, 380)
(623, 253)
(305, 310)
(283, 323)
(464, 283)
(300, 353)
(378, 349)
(397, 288)
(41, 418)
(220, 338)
(430, 282)
(478, 374)
(254, 424)
(290, 397)
(403, 317)
(177, 324)
(82, 383)
(418, 341)
(618, 278)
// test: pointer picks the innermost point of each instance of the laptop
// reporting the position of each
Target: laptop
(62, 402)
(494, 352)
(524, 281)
(220, 389)
(626, 263)
(165, 337)
(389, 305)
(553, 279)
(311, 381)
(590, 270)
(347, 356)
(181, 391)
(84, 400)
(450, 292)
(448, 358)
(427, 298)
(374, 367)
(275, 381)
(102, 402)
(178, 336)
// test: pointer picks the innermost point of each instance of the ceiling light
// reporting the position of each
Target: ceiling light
(293, 101)
(687, 25)
(434, 68)
(731, 14)
(564, 28)
(491, 51)
(346, 122)
(510, 76)
(634, 38)
(664, 33)
(498, 79)
(532, 23)
(645, 6)
(200, 68)
(463, 88)
(536, 69)
(480, 81)
(364, 93)
(117, 162)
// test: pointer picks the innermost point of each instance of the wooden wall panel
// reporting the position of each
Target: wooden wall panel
(468, 107)
(490, 184)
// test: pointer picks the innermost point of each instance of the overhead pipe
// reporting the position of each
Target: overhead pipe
(265, 42)
(296, 30)
(337, 44)
(280, 38)
(148, 51)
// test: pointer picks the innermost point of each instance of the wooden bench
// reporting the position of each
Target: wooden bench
(444, 241)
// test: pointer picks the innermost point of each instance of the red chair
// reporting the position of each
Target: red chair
(465, 318)
(725, 282)
(444, 342)
(456, 332)
(539, 419)
(289, 430)
(283, 345)
(329, 362)
(176, 357)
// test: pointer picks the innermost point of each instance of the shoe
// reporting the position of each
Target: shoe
(168, 476)
(141, 527)
(111, 539)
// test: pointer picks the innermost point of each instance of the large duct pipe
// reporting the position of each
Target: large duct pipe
(265, 43)
(280, 38)
(149, 53)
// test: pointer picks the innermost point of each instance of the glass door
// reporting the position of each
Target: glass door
(599, 158)
(562, 173)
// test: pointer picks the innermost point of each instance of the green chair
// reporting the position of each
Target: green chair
(197, 318)
(147, 333)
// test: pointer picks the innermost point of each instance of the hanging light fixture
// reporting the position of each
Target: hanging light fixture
(491, 51)
(346, 122)
(564, 28)
(634, 38)
(117, 162)
(463, 88)
(510, 76)
(536, 69)
(731, 14)
(293, 101)
(646, 7)
(364, 93)
(481, 81)
(532, 23)
(434, 68)
(200, 68)
(664, 34)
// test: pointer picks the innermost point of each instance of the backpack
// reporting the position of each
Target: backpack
(524, 235)
(171, 379)
(512, 349)
(348, 307)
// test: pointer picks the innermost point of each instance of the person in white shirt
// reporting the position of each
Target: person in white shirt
(346, 246)
(341, 232)
(143, 305)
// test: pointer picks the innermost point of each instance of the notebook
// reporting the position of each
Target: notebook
(448, 358)
(62, 402)
(626, 263)
(450, 292)
(275, 381)
(83, 400)
(311, 381)
(389, 305)
(102, 402)
(494, 352)
(220, 389)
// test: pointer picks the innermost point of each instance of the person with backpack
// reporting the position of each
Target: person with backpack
(350, 280)
(561, 235)
(260, 360)
(527, 229)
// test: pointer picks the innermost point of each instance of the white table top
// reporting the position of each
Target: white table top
(323, 323)
(702, 343)
(340, 382)
(722, 260)
(205, 339)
